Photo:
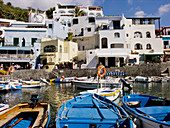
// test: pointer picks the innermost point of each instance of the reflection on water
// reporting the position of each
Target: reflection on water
(57, 94)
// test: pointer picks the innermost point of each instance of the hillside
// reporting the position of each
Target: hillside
(7, 11)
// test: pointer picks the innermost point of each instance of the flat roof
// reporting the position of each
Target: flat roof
(143, 18)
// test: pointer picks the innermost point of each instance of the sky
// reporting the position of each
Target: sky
(130, 8)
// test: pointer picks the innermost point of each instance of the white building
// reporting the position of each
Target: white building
(141, 38)
(124, 40)
(25, 38)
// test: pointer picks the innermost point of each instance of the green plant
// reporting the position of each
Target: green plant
(70, 35)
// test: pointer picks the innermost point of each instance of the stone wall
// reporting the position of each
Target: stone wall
(27, 74)
(136, 70)
(153, 69)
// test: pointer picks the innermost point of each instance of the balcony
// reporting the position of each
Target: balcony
(17, 56)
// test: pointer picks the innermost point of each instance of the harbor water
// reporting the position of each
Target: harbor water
(58, 94)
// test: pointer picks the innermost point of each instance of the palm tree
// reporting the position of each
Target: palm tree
(77, 12)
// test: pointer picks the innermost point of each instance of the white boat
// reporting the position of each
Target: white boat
(31, 84)
(142, 79)
(110, 93)
(156, 79)
(92, 82)
(3, 107)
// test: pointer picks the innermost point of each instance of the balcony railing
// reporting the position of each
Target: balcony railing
(18, 56)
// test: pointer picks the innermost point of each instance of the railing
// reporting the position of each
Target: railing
(20, 56)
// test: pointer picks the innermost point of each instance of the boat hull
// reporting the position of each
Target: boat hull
(26, 115)
(88, 111)
(147, 114)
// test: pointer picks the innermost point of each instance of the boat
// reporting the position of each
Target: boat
(14, 85)
(63, 80)
(3, 106)
(91, 83)
(31, 84)
(91, 111)
(156, 79)
(111, 93)
(27, 115)
(142, 79)
(45, 81)
(148, 111)
(4, 87)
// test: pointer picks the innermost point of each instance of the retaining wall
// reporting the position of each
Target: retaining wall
(136, 70)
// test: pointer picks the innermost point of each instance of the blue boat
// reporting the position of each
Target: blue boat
(148, 111)
(92, 111)
(27, 115)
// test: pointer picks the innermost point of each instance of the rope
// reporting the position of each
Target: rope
(122, 116)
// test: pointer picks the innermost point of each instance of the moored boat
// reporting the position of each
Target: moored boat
(31, 84)
(110, 93)
(91, 83)
(91, 111)
(148, 111)
(24, 115)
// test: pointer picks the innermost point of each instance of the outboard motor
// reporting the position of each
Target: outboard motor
(34, 99)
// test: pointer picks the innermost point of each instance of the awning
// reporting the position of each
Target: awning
(111, 55)
(153, 54)
(167, 53)
(63, 61)
(165, 38)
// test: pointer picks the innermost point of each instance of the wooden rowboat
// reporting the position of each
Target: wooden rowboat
(25, 115)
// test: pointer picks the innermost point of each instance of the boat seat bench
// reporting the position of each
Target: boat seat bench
(92, 113)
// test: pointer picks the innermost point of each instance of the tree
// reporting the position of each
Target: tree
(49, 12)
(1, 1)
(77, 12)
(9, 4)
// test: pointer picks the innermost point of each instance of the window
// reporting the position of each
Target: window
(33, 40)
(98, 14)
(116, 45)
(168, 32)
(16, 41)
(138, 46)
(50, 26)
(62, 11)
(83, 48)
(104, 42)
(75, 21)
(127, 35)
(148, 46)
(117, 35)
(1, 32)
(70, 11)
(23, 42)
(60, 49)
(49, 48)
(148, 35)
(137, 35)
(90, 52)
(166, 44)
(91, 20)
(91, 14)
(89, 29)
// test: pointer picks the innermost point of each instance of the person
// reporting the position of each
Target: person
(39, 65)
(2, 67)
